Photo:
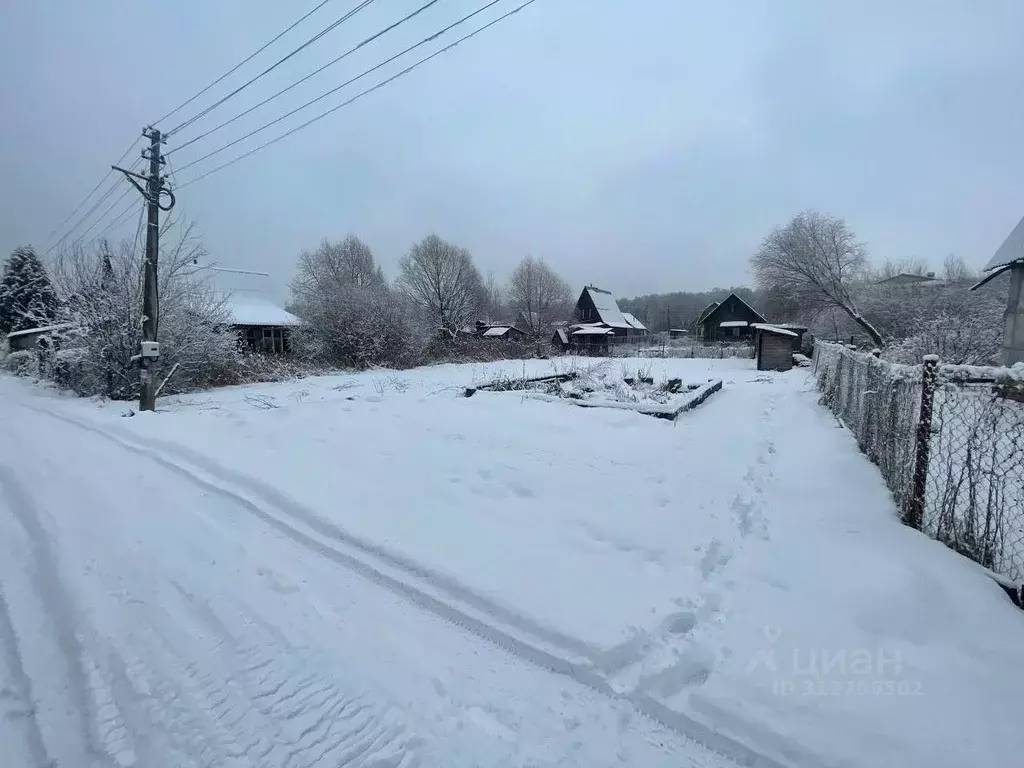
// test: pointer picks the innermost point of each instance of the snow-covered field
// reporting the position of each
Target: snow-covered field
(375, 568)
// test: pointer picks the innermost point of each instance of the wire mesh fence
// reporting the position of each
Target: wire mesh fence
(949, 441)
(659, 345)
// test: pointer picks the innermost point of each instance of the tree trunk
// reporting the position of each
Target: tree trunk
(869, 329)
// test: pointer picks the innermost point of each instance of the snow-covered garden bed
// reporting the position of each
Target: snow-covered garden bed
(607, 386)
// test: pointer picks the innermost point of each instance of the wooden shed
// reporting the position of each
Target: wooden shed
(773, 347)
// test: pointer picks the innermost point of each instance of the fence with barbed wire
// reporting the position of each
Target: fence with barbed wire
(949, 441)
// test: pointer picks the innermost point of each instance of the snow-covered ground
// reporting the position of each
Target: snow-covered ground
(374, 568)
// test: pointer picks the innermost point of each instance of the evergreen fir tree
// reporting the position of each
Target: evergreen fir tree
(27, 298)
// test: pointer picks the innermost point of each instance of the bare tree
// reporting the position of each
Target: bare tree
(351, 316)
(955, 269)
(814, 260)
(492, 300)
(538, 294)
(333, 266)
(439, 278)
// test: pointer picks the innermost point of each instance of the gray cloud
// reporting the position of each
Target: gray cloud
(644, 146)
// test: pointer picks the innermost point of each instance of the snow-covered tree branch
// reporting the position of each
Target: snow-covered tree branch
(815, 260)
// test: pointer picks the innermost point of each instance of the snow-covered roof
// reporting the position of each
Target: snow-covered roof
(678, 330)
(772, 329)
(733, 324)
(497, 330)
(607, 308)
(249, 309)
(707, 311)
(633, 322)
(562, 335)
(40, 329)
(1011, 250)
(593, 331)
(907, 278)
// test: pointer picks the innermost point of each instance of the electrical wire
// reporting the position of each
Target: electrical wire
(315, 72)
(273, 66)
(92, 192)
(105, 213)
(361, 75)
(358, 96)
(242, 63)
(102, 199)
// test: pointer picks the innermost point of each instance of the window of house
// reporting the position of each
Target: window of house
(273, 340)
(736, 332)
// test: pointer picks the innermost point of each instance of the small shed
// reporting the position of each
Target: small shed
(560, 339)
(503, 332)
(773, 347)
(30, 338)
(678, 333)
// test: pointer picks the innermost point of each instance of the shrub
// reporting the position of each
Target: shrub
(23, 362)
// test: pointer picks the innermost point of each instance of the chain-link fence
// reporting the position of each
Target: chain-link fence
(949, 441)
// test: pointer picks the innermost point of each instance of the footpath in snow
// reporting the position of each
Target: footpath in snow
(583, 585)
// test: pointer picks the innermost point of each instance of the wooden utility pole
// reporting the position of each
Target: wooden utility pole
(155, 187)
(150, 287)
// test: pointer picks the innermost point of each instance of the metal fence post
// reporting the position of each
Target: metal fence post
(914, 514)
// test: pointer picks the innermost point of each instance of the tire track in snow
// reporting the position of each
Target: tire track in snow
(59, 612)
(520, 637)
(18, 687)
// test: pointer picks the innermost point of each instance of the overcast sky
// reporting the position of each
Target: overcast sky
(641, 145)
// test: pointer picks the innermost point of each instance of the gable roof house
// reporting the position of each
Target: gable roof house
(598, 307)
(731, 320)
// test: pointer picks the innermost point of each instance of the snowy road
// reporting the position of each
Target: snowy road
(159, 611)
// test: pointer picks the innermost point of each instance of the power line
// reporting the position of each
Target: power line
(315, 72)
(92, 192)
(242, 63)
(358, 96)
(122, 216)
(104, 215)
(86, 215)
(361, 75)
(272, 67)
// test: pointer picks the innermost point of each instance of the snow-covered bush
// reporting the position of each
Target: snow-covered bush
(102, 298)
(23, 362)
(958, 340)
(351, 317)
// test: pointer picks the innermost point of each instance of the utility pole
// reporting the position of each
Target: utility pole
(155, 186)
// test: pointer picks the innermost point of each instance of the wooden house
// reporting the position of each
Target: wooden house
(261, 325)
(598, 307)
(773, 347)
(730, 320)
